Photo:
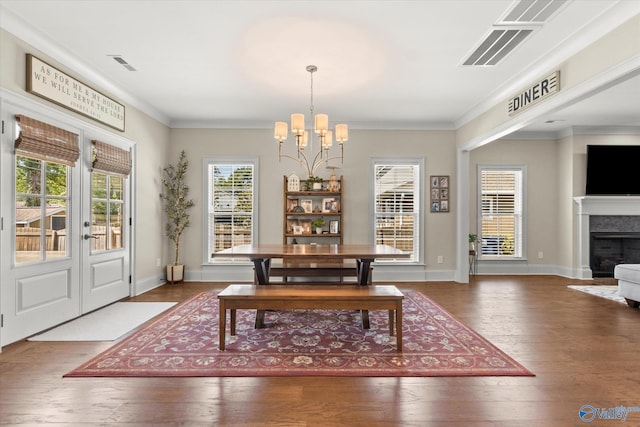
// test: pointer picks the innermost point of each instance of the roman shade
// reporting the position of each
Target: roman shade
(46, 142)
(110, 159)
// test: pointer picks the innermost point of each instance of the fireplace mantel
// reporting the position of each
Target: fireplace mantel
(598, 205)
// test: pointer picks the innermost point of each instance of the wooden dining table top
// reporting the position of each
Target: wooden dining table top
(343, 251)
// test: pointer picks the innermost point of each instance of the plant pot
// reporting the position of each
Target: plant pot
(318, 230)
(317, 186)
(175, 273)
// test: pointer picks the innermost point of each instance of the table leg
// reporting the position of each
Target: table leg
(222, 324)
(392, 328)
(363, 267)
(262, 268)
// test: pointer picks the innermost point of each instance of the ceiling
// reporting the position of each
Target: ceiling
(381, 64)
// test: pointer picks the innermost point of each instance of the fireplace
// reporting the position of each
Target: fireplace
(615, 223)
(610, 248)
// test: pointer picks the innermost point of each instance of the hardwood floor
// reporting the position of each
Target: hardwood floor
(583, 349)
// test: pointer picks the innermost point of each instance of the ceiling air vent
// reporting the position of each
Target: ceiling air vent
(524, 18)
(496, 46)
(532, 11)
(122, 62)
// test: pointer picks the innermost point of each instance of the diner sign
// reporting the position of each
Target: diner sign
(52, 84)
(535, 93)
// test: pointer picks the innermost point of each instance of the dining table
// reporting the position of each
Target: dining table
(312, 255)
(261, 255)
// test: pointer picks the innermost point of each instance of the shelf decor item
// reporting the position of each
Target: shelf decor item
(293, 183)
(313, 183)
(333, 182)
(317, 225)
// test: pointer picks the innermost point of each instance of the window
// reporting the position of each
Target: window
(42, 199)
(397, 189)
(501, 211)
(231, 205)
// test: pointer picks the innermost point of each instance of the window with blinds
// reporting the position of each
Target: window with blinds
(397, 206)
(231, 206)
(501, 211)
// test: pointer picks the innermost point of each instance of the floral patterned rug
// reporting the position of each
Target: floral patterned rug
(183, 342)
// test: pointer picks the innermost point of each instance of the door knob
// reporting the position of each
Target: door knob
(89, 236)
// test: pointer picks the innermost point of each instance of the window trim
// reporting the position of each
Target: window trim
(523, 221)
(206, 194)
(418, 257)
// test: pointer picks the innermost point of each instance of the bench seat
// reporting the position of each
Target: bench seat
(321, 297)
(334, 271)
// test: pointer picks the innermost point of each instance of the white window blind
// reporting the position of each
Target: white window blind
(501, 212)
(397, 206)
(231, 205)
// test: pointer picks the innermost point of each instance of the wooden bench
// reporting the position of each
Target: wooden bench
(322, 271)
(321, 297)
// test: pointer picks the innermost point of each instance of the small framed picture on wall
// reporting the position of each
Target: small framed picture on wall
(440, 193)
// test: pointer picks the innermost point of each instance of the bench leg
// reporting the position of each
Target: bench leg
(399, 326)
(222, 324)
(365, 319)
(259, 319)
(232, 326)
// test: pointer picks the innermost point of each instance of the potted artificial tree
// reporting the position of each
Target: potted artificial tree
(176, 205)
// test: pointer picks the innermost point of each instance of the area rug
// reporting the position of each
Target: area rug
(608, 292)
(184, 342)
(106, 324)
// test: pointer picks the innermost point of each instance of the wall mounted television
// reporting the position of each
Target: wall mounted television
(612, 170)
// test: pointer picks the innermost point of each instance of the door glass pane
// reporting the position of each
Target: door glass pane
(115, 229)
(28, 175)
(115, 188)
(98, 185)
(98, 226)
(56, 228)
(28, 229)
(56, 179)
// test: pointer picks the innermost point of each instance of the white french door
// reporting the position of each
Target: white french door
(105, 243)
(65, 240)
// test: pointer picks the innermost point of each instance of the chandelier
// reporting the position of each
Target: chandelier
(304, 138)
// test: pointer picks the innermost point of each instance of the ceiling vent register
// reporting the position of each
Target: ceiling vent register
(519, 23)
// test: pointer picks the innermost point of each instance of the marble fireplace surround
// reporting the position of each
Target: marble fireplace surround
(601, 206)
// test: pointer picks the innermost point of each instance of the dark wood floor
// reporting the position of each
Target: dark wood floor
(584, 350)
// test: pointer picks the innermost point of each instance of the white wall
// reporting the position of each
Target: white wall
(541, 191)
(436, 147)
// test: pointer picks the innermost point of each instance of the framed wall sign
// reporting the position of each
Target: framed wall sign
(439, 191)
(58, 87)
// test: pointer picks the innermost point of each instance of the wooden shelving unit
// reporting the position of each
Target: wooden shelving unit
(327, 205)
